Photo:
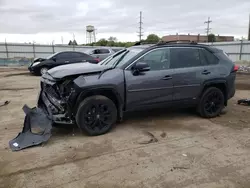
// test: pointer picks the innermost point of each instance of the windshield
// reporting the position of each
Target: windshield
(121, 57)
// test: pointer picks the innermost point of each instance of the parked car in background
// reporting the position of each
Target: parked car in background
(100, 53)
(117, 49)
(41, 65)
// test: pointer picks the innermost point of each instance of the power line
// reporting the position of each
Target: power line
(208, 29)
(140, 27)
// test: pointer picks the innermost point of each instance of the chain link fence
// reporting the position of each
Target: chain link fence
(23, 54)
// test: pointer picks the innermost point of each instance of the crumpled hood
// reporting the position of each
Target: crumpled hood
(74, 69)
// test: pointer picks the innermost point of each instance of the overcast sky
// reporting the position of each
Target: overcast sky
(43, 21)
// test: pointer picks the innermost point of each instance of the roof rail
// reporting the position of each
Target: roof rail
(142, 43)
(176, 41)
(166, 42)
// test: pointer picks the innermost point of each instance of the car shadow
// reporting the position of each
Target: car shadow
(139, 119)
(159, 113)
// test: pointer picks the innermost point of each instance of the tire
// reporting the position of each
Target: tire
(211, 103)
(96, 115)
(43, 70)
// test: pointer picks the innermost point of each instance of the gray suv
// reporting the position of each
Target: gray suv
(95, 96)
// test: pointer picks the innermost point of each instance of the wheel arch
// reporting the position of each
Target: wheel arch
(109, 92)
(218, 83)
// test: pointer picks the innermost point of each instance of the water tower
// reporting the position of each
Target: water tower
(90, 34)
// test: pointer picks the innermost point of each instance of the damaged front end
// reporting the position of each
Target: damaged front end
(53, 106)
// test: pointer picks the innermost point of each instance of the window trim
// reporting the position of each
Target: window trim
(131, 64)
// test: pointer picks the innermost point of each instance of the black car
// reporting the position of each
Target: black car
(41, 65)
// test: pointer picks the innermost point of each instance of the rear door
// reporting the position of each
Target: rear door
(212, 68)
(188, 74)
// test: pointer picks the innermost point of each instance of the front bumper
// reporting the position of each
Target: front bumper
(49, 110)
(32, 69)
(36, 130)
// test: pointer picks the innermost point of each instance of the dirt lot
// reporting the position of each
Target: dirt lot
(190, 151)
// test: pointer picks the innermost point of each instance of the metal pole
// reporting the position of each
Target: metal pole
(53, 48)
(34, 53)
(140, 27)
(6, 49)
(241, 44)
(248, 38)
(208, 26)
(74, 41)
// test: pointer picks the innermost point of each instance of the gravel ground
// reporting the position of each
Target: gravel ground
(187, 151)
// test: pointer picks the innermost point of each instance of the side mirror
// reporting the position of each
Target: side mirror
(141, 67)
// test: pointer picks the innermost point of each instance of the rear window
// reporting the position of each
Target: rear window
(103, 51)
(209, 58)
(223, 56)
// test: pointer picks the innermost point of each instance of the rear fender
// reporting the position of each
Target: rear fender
(216, 83)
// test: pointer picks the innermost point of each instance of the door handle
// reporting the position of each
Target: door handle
(66, 61)
(167, 77)
(206, 72)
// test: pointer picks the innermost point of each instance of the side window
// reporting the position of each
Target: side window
(104, 51)
(209, 58)
(157, 59)
(75, 55)
(184, 57)
(63, 55)
(97, 51)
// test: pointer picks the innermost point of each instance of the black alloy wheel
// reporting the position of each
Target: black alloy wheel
(211, 103)
(96, 115)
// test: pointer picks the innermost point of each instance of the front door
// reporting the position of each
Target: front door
(151, 87)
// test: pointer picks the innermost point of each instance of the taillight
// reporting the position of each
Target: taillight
(98, 60)
(236, 68)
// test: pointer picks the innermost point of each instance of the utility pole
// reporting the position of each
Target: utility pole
(208, 26)
(248, 38)
(140, 27)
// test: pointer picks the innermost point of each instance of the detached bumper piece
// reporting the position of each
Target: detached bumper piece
(244, 101)
(36, 130)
